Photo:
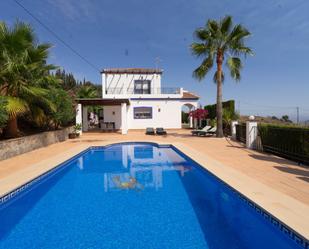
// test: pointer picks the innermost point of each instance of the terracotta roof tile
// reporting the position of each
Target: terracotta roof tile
(188, 95)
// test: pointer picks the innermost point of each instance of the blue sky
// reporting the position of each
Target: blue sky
(132, 33)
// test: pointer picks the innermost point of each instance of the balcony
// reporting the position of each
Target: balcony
(151, 91)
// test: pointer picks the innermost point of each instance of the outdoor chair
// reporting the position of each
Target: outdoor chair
(196, 132)
(160, 131)
(211, 131)
(150, 131)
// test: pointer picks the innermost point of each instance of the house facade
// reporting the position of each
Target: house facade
(133, 98)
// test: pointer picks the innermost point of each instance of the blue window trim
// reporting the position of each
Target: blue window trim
(138, 107)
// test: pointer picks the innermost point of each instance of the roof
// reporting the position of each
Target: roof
(132, 71)
(99, 101)
(188, 95)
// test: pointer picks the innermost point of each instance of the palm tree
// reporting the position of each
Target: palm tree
(24, 73)
(216, 41)
(87, 91)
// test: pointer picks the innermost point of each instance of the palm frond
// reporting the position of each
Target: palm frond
(38, 115)
(226, 25)
(212, 26)
(235, 65)
(16, 106)
(199, 49)
(33, 91)
(202, 34)
(239, 32)
(240, 49)
(200, 72)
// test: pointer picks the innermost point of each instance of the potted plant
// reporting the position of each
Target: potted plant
(75, 133)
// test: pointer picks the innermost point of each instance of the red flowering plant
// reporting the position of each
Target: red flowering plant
(199, 114)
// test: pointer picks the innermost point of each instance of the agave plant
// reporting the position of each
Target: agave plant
(24, 74)
(217, 41)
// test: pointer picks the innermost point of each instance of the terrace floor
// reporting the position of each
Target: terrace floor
(273, 173)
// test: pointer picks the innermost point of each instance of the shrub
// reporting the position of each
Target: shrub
(287, 141)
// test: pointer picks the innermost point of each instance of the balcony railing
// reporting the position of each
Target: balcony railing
(131, 91)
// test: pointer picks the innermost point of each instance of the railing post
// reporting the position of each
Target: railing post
(251, 134)
(233, 129)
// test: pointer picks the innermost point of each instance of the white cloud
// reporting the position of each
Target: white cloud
(76, 9)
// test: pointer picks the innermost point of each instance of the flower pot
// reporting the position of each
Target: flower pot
(73, 135)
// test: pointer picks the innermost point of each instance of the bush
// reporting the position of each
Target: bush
(287, 141)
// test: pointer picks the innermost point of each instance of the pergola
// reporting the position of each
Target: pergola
(82, 115)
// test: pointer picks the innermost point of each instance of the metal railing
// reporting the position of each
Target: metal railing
(161, 90)
(290, 143)
(241, 132)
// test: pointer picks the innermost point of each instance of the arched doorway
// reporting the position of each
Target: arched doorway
(186, 120)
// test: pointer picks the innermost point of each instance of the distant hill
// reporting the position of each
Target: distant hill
(269, 120)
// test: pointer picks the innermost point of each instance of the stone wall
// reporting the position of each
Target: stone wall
(17, 146)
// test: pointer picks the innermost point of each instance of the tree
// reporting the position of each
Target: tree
(64, 110)
(286, 118)
(3, 113)
(68, 80)
(24, 73)
(87, 91)
(218, 40)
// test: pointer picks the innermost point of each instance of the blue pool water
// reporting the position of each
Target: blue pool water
(134, 196)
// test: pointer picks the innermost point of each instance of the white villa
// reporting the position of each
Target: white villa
(133, 98)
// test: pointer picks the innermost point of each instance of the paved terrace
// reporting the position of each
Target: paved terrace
(279, 185)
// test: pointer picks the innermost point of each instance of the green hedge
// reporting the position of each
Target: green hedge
(287, 141)
(229, 105)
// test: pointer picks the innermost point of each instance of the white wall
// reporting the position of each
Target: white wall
(126, 81)
(169, 116)
(110, 117)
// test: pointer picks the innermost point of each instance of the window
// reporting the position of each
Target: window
(142, 87)
(142, 112)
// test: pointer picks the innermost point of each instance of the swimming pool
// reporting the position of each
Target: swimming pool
(135, 195)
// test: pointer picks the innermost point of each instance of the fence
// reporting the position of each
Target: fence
(241, 132)
(161, 90)
(288, 142)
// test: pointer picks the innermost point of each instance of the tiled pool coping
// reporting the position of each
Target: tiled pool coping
(289, 230)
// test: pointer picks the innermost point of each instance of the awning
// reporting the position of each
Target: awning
(104, 102)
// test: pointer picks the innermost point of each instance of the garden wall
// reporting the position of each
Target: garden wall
(17, 146)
